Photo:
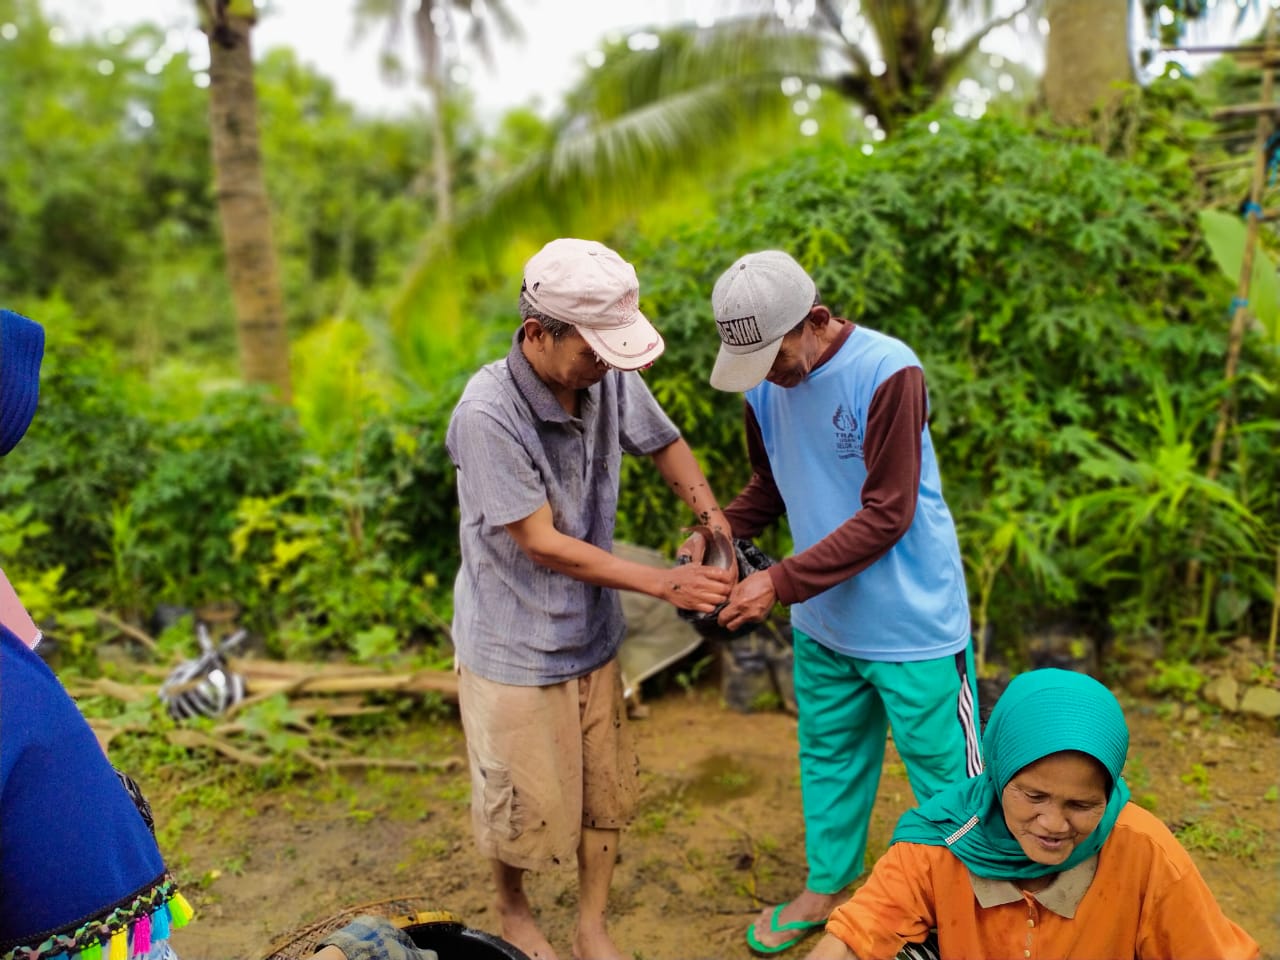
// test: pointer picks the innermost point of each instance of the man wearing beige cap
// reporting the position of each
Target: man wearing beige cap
(538, 439)
(838, 436)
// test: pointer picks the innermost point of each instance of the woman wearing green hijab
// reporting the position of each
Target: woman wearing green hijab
(1041, 855)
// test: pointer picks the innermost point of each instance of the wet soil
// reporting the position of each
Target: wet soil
(718, 834)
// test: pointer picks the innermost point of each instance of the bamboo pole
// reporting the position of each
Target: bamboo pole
(1263, 108)
(1240, 315)
(444, 682)
(1220, 166)
(1240, 309)
(292, 679)
(127, 629)
(1275, 616)
(1242, 50)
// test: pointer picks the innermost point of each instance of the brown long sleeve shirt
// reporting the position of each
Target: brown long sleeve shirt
(891, 447)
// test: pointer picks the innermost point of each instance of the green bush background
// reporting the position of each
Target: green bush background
(1068, 313)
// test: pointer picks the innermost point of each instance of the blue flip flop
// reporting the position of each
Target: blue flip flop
(804, 928)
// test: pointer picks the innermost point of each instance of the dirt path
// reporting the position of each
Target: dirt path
(719, 832)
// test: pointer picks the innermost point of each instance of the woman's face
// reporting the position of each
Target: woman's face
(1050, 806)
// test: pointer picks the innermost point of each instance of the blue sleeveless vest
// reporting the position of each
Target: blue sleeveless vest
(912, 603)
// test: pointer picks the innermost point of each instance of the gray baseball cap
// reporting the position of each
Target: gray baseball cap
(757, 301)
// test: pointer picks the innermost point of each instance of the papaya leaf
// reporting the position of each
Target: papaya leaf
(1225, 235)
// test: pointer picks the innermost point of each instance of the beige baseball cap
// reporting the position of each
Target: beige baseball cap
(756, 302)
(584, 283)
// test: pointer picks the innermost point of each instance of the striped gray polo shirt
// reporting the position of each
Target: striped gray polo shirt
(516, 448)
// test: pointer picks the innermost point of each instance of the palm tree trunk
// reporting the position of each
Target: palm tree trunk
(240, 184)
(1086, 57)
(433, 66)
(442, 173)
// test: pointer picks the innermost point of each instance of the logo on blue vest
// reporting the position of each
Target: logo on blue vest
(848, 436)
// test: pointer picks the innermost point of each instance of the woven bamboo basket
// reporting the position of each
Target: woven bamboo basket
(428, 927)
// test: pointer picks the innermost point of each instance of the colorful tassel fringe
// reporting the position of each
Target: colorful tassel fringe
(130, 939)
(160, 923)
(141, 932)
(180, 911)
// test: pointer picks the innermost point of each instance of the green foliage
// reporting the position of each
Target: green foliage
(106, 197)
(1225, 236)
(1068, 322)
(330, 572)
(1064, 303)
(105, 187)
(1151, 502)
(347, 214)
(85, 452)
(239, 445)
(406, 449)
(55, 607)
(336, 388)
(1198, 777)
(1002, 540)
(270, 721)
(1178, 678)
(134, 511)
(1239, 841)
(103, 505)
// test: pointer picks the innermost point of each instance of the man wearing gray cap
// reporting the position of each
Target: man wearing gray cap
(838, 437)
(538, 439)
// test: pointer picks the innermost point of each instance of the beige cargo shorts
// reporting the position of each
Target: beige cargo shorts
(546, 761)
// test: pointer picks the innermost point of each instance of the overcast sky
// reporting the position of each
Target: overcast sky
(558, 35)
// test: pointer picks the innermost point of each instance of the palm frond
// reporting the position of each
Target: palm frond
(613, 165)
(643, 121)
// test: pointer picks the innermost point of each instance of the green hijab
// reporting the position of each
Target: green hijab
(1041, 712)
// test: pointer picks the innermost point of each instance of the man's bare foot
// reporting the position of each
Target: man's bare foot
(520, 929)
(809, 907)
(594, 943)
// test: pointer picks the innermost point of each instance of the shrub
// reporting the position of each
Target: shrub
(1052, 294)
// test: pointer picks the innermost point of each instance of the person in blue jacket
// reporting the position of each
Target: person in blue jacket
(81, 876)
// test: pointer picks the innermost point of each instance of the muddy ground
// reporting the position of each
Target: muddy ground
(719, 832)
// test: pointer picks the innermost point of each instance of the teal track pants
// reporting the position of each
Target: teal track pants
(846, 707)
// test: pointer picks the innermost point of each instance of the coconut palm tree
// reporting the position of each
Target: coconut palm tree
(241, 190)
(1087, 56)
(1090, 53)
(652, 112)
(436, 31)
(918, 53)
